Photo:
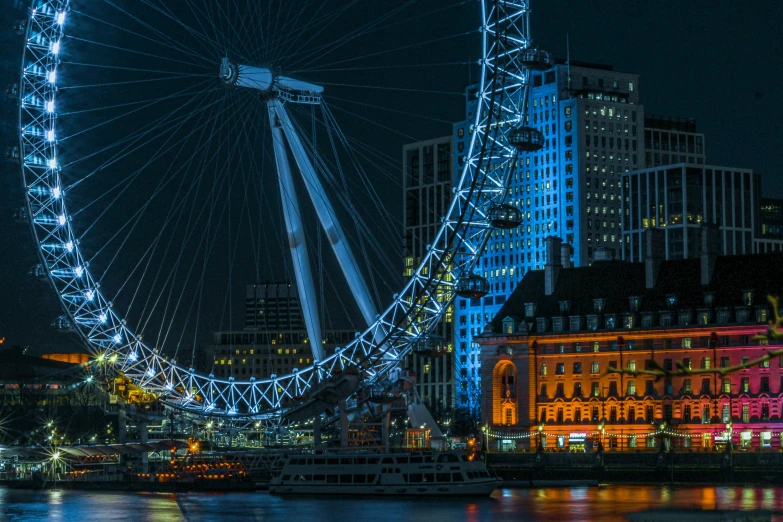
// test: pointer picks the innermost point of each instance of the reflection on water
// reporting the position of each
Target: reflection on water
(607, 503)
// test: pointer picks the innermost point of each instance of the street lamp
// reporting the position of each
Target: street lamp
(55, 461)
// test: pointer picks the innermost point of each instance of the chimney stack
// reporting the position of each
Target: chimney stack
(603, 254)
(655, 249)
(553, 263)
(565, 255)
(710, 249)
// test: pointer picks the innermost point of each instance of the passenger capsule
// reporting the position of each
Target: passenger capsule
(472, 286)
(380, 394)
(430, 346)
(526, 139)
(62, 324)
(537, 59)
(504, 216)
(37, 271)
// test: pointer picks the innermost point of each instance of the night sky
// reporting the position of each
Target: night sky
(716, 61)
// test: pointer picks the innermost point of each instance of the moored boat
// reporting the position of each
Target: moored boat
(420, 474)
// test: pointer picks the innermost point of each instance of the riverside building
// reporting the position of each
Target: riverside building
(546, 354)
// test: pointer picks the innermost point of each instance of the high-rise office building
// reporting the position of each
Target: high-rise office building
(770, 238)
(671, 139)
(273, 306)
(593, 126)
(427, 182)
(679, 199)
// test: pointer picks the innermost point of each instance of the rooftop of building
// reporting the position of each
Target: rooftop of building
(688, 166)
(669, 122)
(616, 282)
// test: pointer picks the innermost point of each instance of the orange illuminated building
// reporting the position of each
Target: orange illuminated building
(70, 358)
(546, 354)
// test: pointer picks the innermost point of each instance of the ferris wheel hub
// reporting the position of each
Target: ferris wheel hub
(269, 83)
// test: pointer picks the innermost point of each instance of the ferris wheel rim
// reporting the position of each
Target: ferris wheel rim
(116, 341)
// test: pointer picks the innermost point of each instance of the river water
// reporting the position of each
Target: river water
(604, 503)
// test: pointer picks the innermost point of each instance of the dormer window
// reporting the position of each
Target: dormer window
(635, 303)
(599, 305)
(709, 299)
(575, 323)
(565, 306)
(671, 301)
(541, 324)
(530, 310)
(610, 322)
(509, 325)
(557, 324)
(747, 298)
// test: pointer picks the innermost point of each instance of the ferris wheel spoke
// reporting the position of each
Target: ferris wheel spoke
(167, 42)
(389, 109)
(131, 82)
(385, 67)
(321, 23)
(163, 150)
(133, 51)
(201, 36)
(292, 26)
(132, 143)
(384, 52)
(321, 51)
(136, 110)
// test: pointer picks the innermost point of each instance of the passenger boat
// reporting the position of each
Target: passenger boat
(421, 474)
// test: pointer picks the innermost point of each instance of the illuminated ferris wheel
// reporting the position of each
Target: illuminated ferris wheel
(168, 149)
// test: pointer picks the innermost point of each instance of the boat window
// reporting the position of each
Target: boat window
(371, 478)
(345, 479)
(332, 462)
(375, 460)
(416, 477)
(429, 477)
(388, 460)
(319, 461)
(471, 475)
(464, 458)
(457, 477)
(360, 460)
(416, 460)
(443, 477)
(359, 479)
(286, 477)
(402, 460)
(318, 478)
(331, 479)
(398, 470)
(429, 458)
(448, 457)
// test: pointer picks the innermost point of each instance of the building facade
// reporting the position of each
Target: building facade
(770, 238)
(671, 139)
(245, 354)
(593, 125)
(679, 199)
(427, 182)
(273, 306)
(547, 354)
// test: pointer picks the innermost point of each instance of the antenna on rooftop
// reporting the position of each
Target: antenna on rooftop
(568, 61)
